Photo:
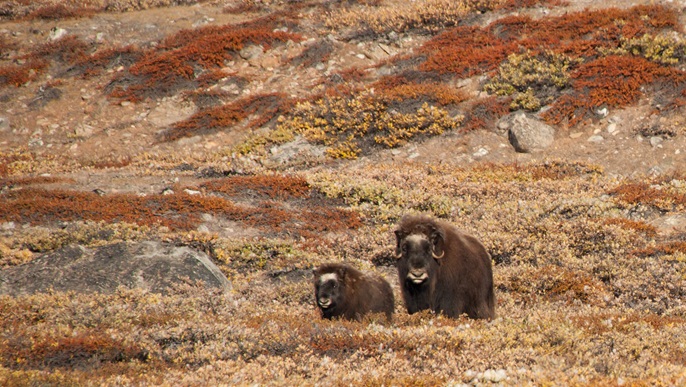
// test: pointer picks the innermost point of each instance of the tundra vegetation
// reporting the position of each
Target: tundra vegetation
(590, 283)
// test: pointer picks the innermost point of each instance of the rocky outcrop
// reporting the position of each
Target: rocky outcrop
(149, 265)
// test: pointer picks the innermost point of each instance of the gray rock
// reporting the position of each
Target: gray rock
(299, 147)
(527, 134)
(57, 33)
(149, 265)
(480, 153)
(4, 124)
(656, 141)
(251, 52)
(83, 131)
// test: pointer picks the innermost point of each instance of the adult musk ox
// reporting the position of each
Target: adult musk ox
(442, 269)
(341, 290)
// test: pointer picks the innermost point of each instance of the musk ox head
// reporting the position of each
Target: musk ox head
(419, 252)
(328, 289)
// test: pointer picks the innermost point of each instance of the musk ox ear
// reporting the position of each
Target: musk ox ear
(437, 243)
(399, 235)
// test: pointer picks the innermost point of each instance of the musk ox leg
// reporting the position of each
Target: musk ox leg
(416, 297)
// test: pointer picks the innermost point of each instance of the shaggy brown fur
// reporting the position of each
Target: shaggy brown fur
(342, 291)
(443, 269)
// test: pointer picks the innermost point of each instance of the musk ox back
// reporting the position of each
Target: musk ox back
(442, 269)
(342, 291)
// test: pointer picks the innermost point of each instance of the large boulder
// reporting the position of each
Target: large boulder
(526, 133)
(154, 266)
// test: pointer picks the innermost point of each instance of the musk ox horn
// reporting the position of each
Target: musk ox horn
(437, 256)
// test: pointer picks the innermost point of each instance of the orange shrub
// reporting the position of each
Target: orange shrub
(174, 64)
(215, 118)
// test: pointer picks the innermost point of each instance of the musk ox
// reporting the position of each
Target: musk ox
(443, 269)
(341, 290)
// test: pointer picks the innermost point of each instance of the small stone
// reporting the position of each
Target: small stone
(596, 139)
(125, 103)
(4, 124)
(494, 376)
(603, 112)
(576, 134)
(37, 141)
(251, 52)
(481, 152)
(57, 33)
(83, 131)
(656, 141)
(191, 191)
(612, 129)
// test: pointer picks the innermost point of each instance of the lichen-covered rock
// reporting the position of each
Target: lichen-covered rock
(149, 265)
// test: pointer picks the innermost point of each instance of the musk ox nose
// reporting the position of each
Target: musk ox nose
(417, 276)
(324, 302)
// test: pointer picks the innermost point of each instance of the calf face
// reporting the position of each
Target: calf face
(329, 292)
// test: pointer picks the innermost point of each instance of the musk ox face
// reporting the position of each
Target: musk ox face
(419, 255)
(328, 291)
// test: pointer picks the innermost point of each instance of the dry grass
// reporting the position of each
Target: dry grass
(580, 288)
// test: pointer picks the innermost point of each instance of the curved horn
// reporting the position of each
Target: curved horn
(437, 256)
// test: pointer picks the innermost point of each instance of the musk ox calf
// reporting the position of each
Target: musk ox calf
(442, 269)
(341, 290)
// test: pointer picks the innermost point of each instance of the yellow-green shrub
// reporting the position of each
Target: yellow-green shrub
(350, 125)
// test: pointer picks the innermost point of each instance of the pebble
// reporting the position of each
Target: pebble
(481, 152)
(4, 124)
(596, 139)
(57, 33)
(494, 376)
(656, 141)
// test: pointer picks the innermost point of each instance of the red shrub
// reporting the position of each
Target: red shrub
(59, 11)
(17, 75)
(615, 81)
(271, 186)
(174, 65)
(216, 118)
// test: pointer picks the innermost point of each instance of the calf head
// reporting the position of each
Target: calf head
(329, 292)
